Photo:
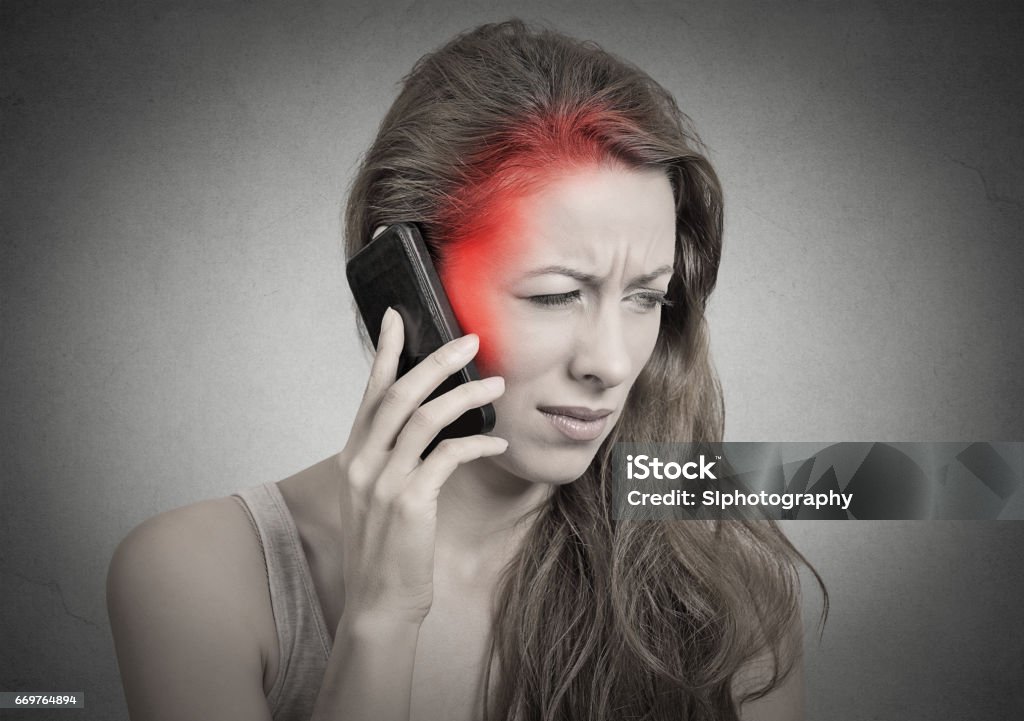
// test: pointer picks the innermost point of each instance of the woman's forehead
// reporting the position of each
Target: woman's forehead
(591, 218)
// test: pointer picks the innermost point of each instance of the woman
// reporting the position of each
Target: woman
(577, 230)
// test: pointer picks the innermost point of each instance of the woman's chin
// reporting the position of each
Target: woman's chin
(554, 467)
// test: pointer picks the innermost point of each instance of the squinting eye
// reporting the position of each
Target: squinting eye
(556, 298)
(650, 301)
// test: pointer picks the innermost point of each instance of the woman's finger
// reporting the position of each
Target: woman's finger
(430, 418)
(382, 372)
(426, 481)
(404, 396)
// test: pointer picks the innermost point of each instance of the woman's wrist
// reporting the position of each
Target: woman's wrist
(369, 673)
(373, 624)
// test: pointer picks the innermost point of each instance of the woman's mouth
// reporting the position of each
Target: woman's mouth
(577, 423)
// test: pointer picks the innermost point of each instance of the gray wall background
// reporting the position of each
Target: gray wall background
(176, 323)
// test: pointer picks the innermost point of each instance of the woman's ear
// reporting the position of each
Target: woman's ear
(378, 230)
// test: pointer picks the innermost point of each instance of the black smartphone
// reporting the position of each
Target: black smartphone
(395, 269)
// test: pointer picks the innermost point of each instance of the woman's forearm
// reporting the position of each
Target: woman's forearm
(369, 672)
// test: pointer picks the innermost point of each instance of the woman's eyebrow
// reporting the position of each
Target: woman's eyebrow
(563, 270)
(592, 279)
(648, 277)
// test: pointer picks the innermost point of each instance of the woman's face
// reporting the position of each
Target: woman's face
(565, 296)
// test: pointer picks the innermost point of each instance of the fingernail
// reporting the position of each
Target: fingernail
(494, 383)
(387, 320)
(465, 347)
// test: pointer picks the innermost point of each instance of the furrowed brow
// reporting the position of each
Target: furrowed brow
(588, 279)
(648, 277)
(564, 270)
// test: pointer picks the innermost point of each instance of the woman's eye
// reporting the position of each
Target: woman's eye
(650, 301)
(555, 298)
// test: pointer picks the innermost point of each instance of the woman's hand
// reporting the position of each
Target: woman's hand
(388, 495)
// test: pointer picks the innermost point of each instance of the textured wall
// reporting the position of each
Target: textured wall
(176, 323)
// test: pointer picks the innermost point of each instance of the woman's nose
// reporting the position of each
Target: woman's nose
(601, 354)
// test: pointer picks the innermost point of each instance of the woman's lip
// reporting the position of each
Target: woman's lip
(580, 412)
(575, 428)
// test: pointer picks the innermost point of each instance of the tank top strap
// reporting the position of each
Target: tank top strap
(301, 630)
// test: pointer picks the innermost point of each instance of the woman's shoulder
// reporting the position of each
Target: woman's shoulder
(192, 581)
(207, 549)
(189, 610)
(205, 538)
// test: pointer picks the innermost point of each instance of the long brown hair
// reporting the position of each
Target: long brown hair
(595, 618)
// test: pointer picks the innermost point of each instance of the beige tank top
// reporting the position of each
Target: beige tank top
(301, 630)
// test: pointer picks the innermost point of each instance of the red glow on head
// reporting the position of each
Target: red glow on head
(483, 224)
(469, 274)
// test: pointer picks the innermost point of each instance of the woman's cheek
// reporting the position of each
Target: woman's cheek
(645, 341)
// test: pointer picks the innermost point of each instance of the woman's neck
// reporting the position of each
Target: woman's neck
(483, 513)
